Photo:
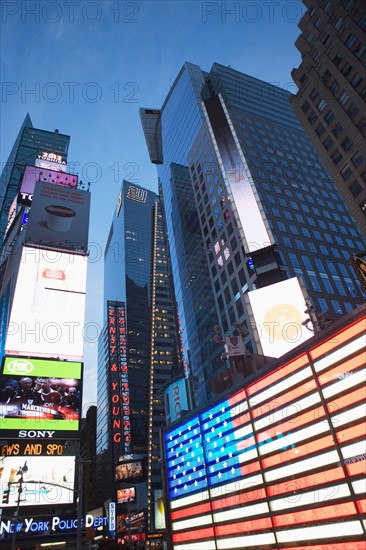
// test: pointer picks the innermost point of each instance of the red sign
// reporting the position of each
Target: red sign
(118, 376)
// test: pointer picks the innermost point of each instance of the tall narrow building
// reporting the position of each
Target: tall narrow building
(330, 102)
(139, 354)
(265, 212)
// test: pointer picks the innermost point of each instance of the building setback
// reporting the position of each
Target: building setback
(137, 283)
(266, 208)
(330, 102)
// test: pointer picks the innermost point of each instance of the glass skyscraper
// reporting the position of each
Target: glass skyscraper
(264, 207)
(137, 279)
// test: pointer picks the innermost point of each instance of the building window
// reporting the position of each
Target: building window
(356, 80)
(313, 118)
(328, 142)
(337, 130)
(303, 78)
(362, 22)
(346, 172)
(353, 111)
(360, 50)
(347, 144)
(357, 159)
(327, 40)
(347, 69)
(344, 97)
(309, 38)
(337, 58)
(355, 189)
(334, 87)
(314, 94)
(320, 130)
(305, 106)
(329, 7)
(326, 76)
(316, 57)
(329, 117)
(337, 157)
(321, 105)
(338, 23)
(350, 40)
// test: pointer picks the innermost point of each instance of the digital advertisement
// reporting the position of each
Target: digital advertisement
(129, 470)
(46, 481)
(127, 494)
(279, 462)
(40, 395)
(49, 321)
(59, 218)
(33, 174)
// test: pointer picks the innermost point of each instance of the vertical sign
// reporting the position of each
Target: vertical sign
(118, 378)
(112, 517)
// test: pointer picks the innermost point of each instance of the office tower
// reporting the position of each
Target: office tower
(26, 149)
(42, 312)
(330, 102)
(267, 209)
(138, 354)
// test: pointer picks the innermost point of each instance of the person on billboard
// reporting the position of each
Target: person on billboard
(27, 391)
(71, 399)
(49, 395)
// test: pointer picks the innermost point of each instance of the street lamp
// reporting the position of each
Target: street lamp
(22, 470)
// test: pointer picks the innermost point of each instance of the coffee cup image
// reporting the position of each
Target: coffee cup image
(59, 218)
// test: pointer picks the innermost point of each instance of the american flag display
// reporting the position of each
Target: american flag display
(279, 464)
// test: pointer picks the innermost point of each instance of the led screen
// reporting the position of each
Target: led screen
(39, 395)
(59, 218)
(126, 495)
(278, 312)
(32, 174)
(129, 470)
(46, 481)
(48, 311)
(280, 461)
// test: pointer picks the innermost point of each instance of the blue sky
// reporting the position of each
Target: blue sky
(86, 68)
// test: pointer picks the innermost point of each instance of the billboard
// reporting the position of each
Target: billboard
(129, 470)
(48, 310)
(127, 494)
(46, 481)
(280, 461)
(59, 218)
(33, 174)
(176, 400)
(277, 316)
(40, 395)
(51, 161)
(119, 391)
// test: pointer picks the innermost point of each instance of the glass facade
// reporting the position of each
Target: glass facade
(307, 229)
(137, 273)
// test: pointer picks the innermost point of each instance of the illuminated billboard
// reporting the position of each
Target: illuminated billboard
(48, 310)
(279, 463)
(32, 174)
(40, 395)
(118, 378)
(46, 481)
(127, 494)
(278, 312)
(59, 218)
(51, 161)
(129, 470)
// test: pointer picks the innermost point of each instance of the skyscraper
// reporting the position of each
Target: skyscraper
(267, 210)
(141, 319)
(330, 102)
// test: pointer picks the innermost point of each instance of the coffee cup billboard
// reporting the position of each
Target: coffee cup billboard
(59, 218)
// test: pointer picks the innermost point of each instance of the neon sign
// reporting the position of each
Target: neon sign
(118, 375)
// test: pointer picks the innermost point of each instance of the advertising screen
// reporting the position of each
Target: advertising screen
(279, 462)
(59, 218)
(126, 495)
(51, 161)
(40, 395)
(278, 313)
(129, 470)
(46, 481)
(48, 311)
(32, 174)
